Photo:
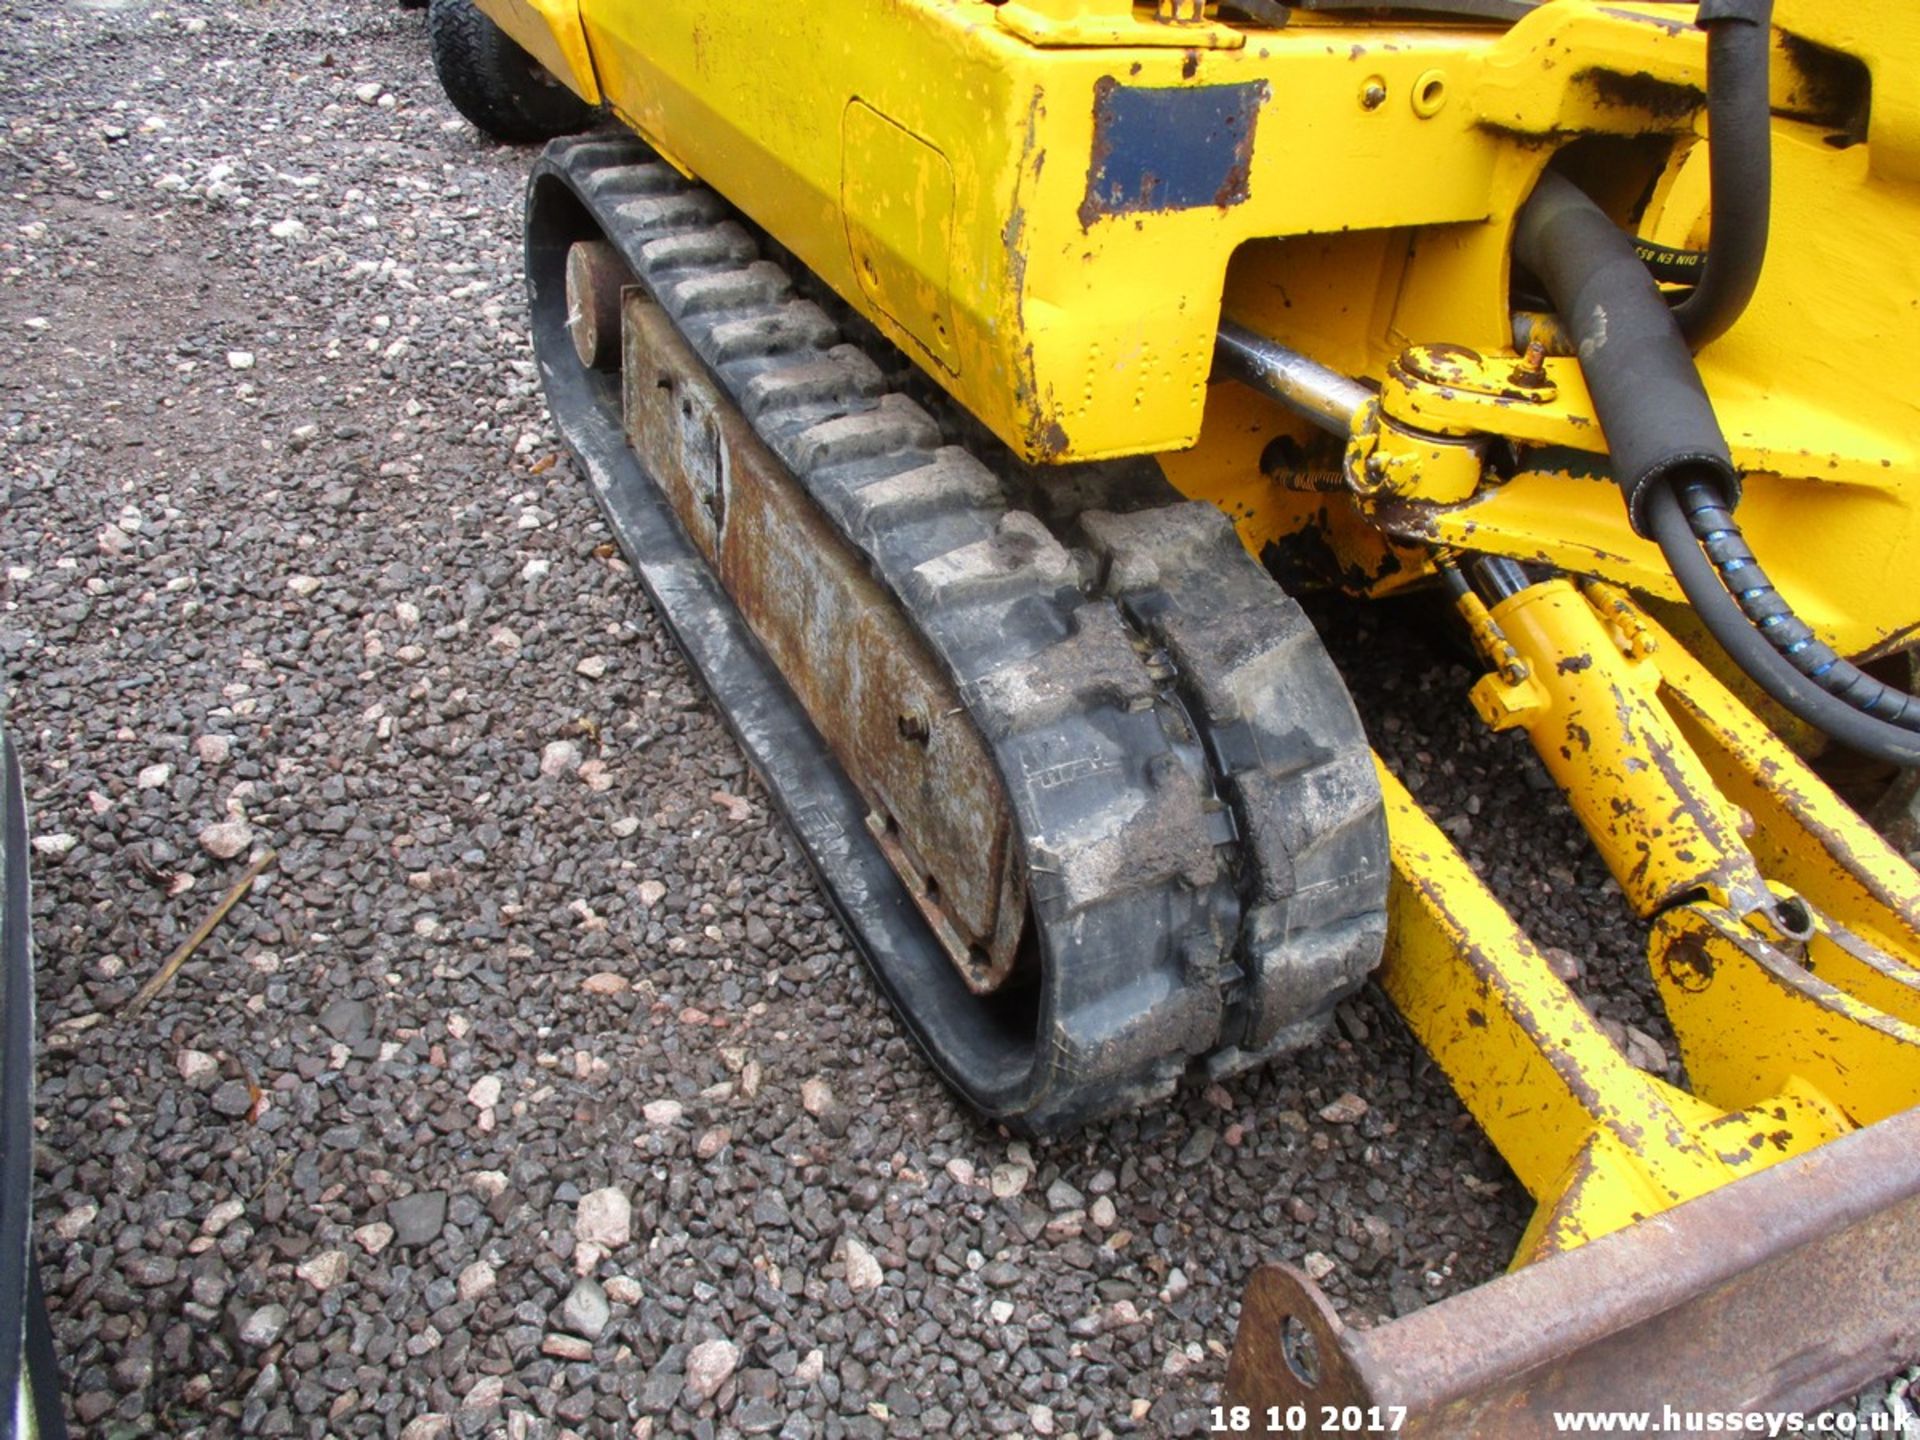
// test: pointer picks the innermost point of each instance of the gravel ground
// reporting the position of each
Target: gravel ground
(535, 1091)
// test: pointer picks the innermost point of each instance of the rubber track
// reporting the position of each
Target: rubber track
(1184, 843)
(1291, 757)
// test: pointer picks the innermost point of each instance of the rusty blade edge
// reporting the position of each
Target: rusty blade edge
(1786, 1290)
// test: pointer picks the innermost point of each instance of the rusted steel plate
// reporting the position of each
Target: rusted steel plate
(1161, 149)
(865, 678)
(1784, 1291)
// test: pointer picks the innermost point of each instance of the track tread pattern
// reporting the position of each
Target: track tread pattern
(1292, 755)
(1157, 929)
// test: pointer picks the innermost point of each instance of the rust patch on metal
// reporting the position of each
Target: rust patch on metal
(867, 681)
(595, 274)
(1050, 439)
(1828, 88)
(1785, 1290)
(1157, 149)
(1662, 99)
(1689, 963)
(1046, 438)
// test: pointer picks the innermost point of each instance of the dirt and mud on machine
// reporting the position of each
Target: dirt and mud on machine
(974, 384)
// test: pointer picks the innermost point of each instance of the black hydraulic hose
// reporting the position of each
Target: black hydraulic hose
(1666, 444)
(1719, 536)
(1670, 265)
(1749, 649)
(1655, 410)
(1739, 163)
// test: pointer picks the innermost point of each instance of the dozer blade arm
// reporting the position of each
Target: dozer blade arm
(1749, 1244)
(1773, 1293)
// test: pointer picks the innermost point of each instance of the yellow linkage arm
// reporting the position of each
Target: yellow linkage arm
(1597, 1143)
(1785, 934)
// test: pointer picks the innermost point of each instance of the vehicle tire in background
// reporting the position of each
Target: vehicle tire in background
(494, 83)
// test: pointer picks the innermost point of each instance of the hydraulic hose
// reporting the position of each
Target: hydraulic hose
(1739, 165)
(1675, 470)
(1655, 410)
(1766, 608)
(1749, 649)
(1670, 265)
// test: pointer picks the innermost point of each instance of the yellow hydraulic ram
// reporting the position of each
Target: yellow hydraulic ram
(1674, 1230)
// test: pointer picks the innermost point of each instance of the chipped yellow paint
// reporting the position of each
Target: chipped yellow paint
(1597, 1143)
(1750, 1017)
(1783, 938)
(1084, 332)
(945, 166)
(1802, 834)
(933, 161)
(549, 30)
(1595, 719)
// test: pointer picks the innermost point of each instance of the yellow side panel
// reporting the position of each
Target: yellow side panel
(1098, 193)
(549, 30)
(1052, 230)
(897, 193)
(1886, 35)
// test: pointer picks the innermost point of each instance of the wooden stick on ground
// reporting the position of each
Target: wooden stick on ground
(198, 938)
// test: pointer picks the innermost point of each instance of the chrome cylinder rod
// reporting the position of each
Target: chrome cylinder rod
(1324, 396)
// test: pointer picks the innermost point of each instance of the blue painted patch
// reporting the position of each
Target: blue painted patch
(1169, 149)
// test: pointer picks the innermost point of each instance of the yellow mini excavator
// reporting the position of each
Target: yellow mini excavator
(974, 384)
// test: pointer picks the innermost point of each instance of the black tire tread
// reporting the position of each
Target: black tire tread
(494, 83)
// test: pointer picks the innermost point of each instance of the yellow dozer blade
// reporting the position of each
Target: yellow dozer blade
(1771, 1296)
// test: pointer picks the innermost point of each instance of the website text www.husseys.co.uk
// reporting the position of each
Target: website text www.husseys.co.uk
(1897, 1420)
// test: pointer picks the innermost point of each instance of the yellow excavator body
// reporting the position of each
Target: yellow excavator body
(1051, 206)
(1295, 259)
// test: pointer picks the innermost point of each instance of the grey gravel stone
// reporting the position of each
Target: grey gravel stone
(350, 1021)
(1001, 1275)
(324, 1270)
(264, 1325)
(418, 1219)
(92, 1405)
(225, 839)
(233, 1099)
(477, 1281)
(604, 1218)
(585, 1311)
(1346, 1110)
(710, 1365)
(863, 1270)
(1199, 1147)
(151, 1271)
